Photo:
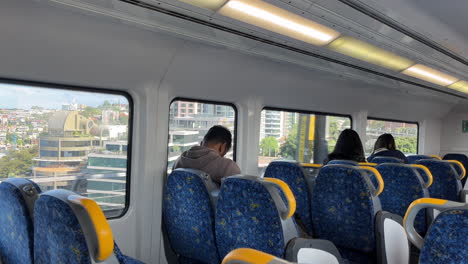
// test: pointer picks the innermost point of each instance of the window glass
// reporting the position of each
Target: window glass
(298, 136)
(188, 130)
(58, 138)
(405, 134)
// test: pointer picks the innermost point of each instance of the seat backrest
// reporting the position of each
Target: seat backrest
(445, 241)
(446, 184)
(380, 160)
(296, 178)
(17, 198)
(344, 206)
(403, 184)
(69, 228)
(342, 162)
(254, 212)
(461, 158)
(412, 159)
(189, 215)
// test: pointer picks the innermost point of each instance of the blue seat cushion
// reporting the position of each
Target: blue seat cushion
(293, 175)
(58, 237)
(445, 185)
(343, 209)
(16, 227)
(123, 259)
(189, 217)
(396, 199)
(460, 157)
(446, 239)
(247, 218)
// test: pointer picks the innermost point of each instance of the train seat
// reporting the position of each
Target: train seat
(412, 159)
(461, 158)
(445, 241)
(17, 198)
(301, 184)
(252, 256)
(254, 212)
(446, 183)
(343, 162)
(189, 210)
(403, 185)
(380, 160)
(69, 228)
(346, 210)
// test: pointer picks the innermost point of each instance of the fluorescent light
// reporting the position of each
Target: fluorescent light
(428, 74)
(369, 53)
(461, 86)
(278, 20)
(209, 4)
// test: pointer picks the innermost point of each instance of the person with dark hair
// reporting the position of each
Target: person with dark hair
(348, 147)
(385, 147)
(209, 156)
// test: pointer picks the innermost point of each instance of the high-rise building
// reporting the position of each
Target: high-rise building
(65, 148)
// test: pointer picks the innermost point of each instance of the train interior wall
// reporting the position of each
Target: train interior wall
(43, 42)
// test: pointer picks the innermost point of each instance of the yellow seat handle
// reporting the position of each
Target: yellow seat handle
(287, 192)
(378, 176)
(428, 173)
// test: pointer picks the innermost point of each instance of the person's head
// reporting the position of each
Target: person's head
(348, 146)
(219, 139)
(385, 141)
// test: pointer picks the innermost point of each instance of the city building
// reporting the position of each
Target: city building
(65, 148)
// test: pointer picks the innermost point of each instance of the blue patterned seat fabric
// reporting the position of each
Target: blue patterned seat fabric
(247, 217)
(58, 236)
(293, 175)
(461, 158)
(343, 211)
(446, 239)
(123, 259)
(189, 218)
(403, 185)
(380, 160)
(342, 162)
(446, 185)
(412, 159)
(16, 226)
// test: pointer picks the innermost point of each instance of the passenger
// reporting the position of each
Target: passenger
(348, 147)
(385, 147)
(209, 156)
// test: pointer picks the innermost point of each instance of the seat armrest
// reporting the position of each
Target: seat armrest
(393, 246)
(301, 250)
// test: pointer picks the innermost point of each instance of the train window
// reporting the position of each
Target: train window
(67, 139)
(301, 136)
(405, 134)
(189, 121)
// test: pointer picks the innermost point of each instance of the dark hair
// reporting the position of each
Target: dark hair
(218, 134)
(348, 147)
(385, 141)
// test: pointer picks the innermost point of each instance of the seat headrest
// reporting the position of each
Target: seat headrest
(382, 159)
(96, 228)
(29, 191)
(418, 205)
(461, 170)
(287, 194)
(343, 162)
(250, 256)
(377, 176)
(369, 164)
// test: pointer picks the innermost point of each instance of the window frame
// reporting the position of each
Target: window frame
(307, 112)
(398, 121)
(203, 101)
(79, 88)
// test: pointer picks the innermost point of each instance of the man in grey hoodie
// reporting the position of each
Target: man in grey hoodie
(209, 156)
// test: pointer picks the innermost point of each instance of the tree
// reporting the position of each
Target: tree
(91, 111)
(407, 145)
(18, 163)
(269, 147)
(289, 148)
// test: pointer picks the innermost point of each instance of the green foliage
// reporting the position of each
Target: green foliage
(123, 120)
(17, 163)
(269, 147)
(289, 148)
(91, 111)
(407, 145)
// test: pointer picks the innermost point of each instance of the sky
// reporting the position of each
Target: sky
(24, 97)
